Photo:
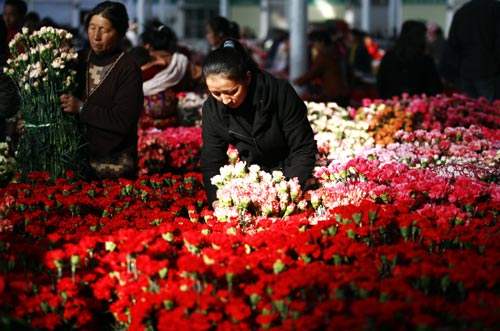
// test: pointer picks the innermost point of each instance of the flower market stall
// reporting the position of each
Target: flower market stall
(401, 232)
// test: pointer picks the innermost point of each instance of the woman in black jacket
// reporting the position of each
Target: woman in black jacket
(260, 115)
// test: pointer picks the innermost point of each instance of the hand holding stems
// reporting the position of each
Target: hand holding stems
(70, 104)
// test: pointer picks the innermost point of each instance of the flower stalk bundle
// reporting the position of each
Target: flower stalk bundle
(7, 164)
(41, 65)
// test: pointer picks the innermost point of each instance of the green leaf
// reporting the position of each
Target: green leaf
(169, 236)
(168, 304)
(254, 299)
(278, 266)
(337, 260)
(445, 283)
(110, 246)
(163, 272)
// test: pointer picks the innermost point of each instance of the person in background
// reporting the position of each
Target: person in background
(10, 102)
(435, 43)
(219, 29)
(32, 21)
(360, 60)
(165, 73)
(407, 68)
(278, 56)
(260, 115)
(474, 42)
(14, 12)
(110, 97)
(4, 48)
(324, 77)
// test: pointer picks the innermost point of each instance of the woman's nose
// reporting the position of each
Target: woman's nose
(226, 100)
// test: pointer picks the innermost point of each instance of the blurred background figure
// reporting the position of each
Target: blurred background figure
(407, 68)
(219, 29)
(435, 43)
(14, 12)
(360, 61)
(278, 46)
(32, 21)
(165, 72)
(132, 33)
(324, 78)
(474, 43)
(3, 44)
(9, 103)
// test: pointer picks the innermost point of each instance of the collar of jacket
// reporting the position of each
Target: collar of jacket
(263, 92)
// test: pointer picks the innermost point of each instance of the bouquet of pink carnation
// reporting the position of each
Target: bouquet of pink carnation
(247, 192)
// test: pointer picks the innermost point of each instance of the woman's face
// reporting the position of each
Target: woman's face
(227, 91)
(103, 37)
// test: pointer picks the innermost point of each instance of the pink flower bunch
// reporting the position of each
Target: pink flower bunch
(453, 152)
(247, 192)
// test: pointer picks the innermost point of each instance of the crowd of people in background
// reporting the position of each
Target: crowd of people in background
(345, 65)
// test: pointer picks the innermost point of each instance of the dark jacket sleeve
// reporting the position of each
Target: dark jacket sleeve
(126, 104)
(9, 97)
(298, 134)
(214, 150)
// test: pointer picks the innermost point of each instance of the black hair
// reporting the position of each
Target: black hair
(234, 30)
(9, 97)
(20, 5)
(220, 26)
(412, 40)
(115, 12)
(160, 38)
(231, 59)
(140, 55)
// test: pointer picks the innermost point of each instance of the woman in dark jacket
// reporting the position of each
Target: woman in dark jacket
(260, 115)
(407, 68)
(111, 96)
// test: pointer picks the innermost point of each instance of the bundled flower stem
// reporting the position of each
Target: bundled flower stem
(41, 65)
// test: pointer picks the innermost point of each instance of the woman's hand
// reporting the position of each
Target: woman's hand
(70, 104)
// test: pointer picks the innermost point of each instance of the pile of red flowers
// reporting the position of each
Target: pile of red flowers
(171, 149)
(381, 246)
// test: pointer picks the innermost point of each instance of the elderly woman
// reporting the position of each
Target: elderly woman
(110, 97)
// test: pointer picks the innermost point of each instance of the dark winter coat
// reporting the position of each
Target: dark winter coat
(279, 137)
(474, 39)
(111, 113)
(413, 76)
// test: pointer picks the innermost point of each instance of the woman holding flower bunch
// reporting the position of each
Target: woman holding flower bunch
(258, 114)
(110, 97)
